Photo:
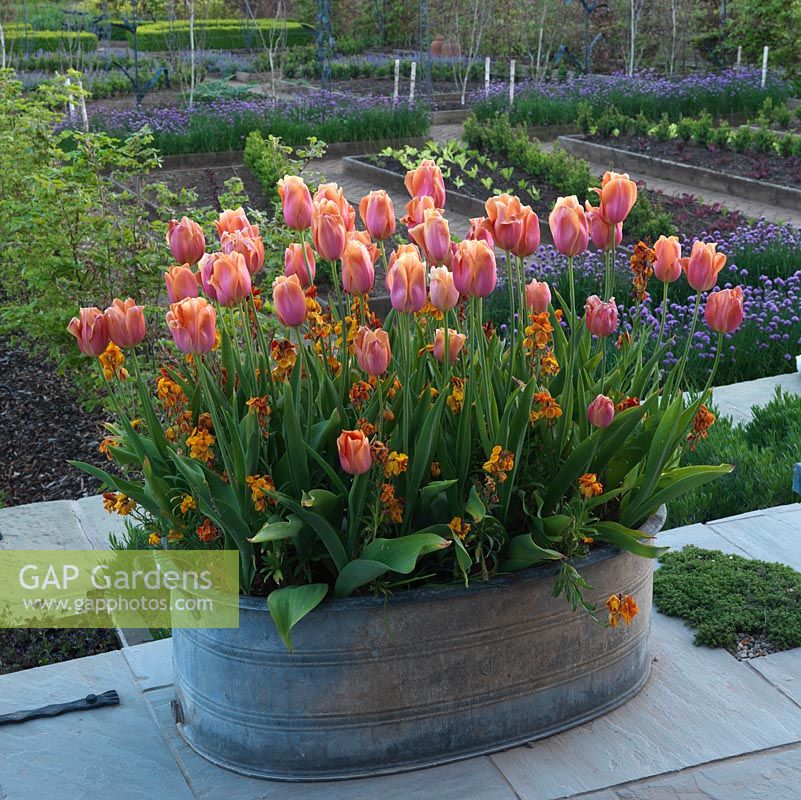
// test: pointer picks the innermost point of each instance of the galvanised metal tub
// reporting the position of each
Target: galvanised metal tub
(421, 678)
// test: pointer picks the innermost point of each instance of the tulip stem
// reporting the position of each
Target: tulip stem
(691, 335)
(572, 283)
(446, 353)
(304, 364)
(665, 286)
(714, 366)
(512, 289)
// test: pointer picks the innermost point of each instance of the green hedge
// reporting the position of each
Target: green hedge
(217, 34)
(48, 41)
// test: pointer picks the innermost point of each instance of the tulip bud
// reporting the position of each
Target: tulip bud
(667, 267)
(601, 412)
(251, 248)
(186, 240)
(724, 310)
(90, 328)
(529, 239)
(443, 291)
(204, 270)
(604, 234)
(192, 323)
(229, 277)
(538, 296)
(416, 210)
(372, 350)
(332, 192)
(364, 238)
(569, 227)
(378, 215)
(426, 181)
(433, 237)
(358, 273)
(600, 317)
(231, 221)
(296, 202)
(618, 195)
(703, 266)
(328, 230)
(295, 263)
(126, 322)
(181, 282)
(481, 229)
(289, 300)
(406, 280)
(474, 270)
(456, 342)
(354, 452)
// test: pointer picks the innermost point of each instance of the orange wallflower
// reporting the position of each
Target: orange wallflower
(258, 485)
(459, 527)
(545, 406)
(589, 486)
(207, 532)
(621, 606)
(393, 505)
(112, 360)
(200, 444)
(396, 464)
(500, 463)
(704, 419)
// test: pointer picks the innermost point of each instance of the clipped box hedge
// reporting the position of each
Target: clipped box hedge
(48, 41)
(217, 34)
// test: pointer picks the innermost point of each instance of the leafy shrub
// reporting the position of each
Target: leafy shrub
(218, 34)
(48, 41)
(742, 139)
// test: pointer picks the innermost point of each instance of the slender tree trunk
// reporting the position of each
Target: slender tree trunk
(2, 47)
(673, 32)
(191, 4)
(633, 36)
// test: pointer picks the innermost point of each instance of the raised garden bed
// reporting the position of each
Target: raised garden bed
(766, 178)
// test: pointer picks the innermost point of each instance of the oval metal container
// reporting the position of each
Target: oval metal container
(421, 678)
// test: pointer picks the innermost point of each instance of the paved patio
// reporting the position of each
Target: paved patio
(704, 726)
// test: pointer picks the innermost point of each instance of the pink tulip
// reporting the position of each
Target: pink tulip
(251, 248)
(328, 230)
(481, 229)
(332, 192)
(504, 213)
(358, 273)
(354, 452)
(289, 300)
(186, 240)
(426, 181)
(443, 291)
(703, 266)
(126, 323)
(456, 342)
(90, 328)
(364, 238)
(724, 310)
(667, 266)
(296, 264)
(229, 277)
(569, 226)
(378, 214)
(296, 202)
(406, 280)
(372, 350)
(538, 296)
(474, 270)
(230, 221)
(416, 210)
(192, 323)
(601, 412)
(433, 237)
(604, 234)
(618, 194)
(529, 239)
(181, 283)
(600, 317)
(204, 271)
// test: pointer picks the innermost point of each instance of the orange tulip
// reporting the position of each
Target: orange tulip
(667, 266)
(289, 300)
(504, 213)
(90, 328)
(328, 230)
(181, 282)
(618, 195)
(416, 210)
(332, 192)
(456, 342)
(604, 234)
(378, 214)
(724, 310)
(529, 239)
(358, 272)
(538, 296)
(231, 221)
(426, 180)
(364, 238)
(443, 291)
(295, 263)
(192, 323)
(354, 452)
(228, 275)
(251, 248)
(481, 228)
(296, 202)
(372, 350)
(186, 240)
(126, 323)
(569, 227)
(703, 266)
(433, 236)
(406, 280)
(474, 270)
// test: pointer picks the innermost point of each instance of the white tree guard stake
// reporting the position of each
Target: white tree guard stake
(397, 80)
(511, 82)
(411, 85)
(486, 75)
(70, 104)
(82, 107)
(764, 65)
(739, 55)
(2, 48)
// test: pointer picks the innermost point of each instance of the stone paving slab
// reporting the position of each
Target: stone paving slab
(736, 399)
(151, 663)
(113, 752)
(769, 538)
(783, 670)
(699, 535)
